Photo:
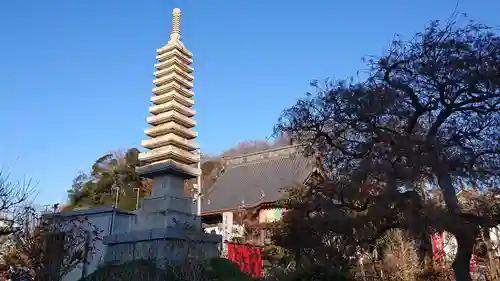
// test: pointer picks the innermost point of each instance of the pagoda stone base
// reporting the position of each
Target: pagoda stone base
(167, 206)
(164, 229)
(163, 246)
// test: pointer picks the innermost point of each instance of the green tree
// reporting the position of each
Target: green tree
(116, 179)
(81, 193)
(112, 178)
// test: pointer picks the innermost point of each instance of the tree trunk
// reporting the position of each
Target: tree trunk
(464, 234)
(361, 268)
(449, 193)
(297, 256)
(424, 247)
(461, 263)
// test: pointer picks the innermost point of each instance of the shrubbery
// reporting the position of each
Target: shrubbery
(217, 269)
(315, 273)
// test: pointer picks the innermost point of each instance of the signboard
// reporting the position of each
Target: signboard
(270, 215)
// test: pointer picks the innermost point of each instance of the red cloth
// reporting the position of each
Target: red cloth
(246, 257)
(439, 251)
(438, 247)
(473, 264)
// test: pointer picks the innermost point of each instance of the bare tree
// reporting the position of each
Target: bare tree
(51, 244)
(13, 195)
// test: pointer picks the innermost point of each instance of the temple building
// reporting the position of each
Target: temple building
(255, 181)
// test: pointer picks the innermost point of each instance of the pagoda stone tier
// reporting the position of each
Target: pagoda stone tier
(171, 133)
(165, 227)
(167, 206)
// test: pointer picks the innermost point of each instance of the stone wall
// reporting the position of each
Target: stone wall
(165, 251)
(106, 220)
(165, 246)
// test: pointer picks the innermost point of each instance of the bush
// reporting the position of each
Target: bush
(130, 271)
(317, 273)
(217, 269)
(220, 269)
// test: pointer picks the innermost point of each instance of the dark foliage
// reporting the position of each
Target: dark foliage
(217, 269)
(427, 116)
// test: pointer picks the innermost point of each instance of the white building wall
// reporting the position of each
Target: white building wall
(107, 221)
(227, 229)
(495, 234)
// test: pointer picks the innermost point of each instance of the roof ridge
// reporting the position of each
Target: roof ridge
(261, 160)
(277, 152)
(263, 151)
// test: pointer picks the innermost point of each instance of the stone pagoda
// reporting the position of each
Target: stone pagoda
(165, 227)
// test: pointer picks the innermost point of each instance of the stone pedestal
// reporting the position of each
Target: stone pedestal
(164, 246)
(167, 206)
(164, 230)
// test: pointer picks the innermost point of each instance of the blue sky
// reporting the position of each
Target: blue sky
(75, 76)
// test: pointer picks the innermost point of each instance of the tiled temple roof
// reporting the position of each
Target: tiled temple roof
(251, 179)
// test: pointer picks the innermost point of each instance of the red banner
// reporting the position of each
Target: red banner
(438, 251)
(248, 258)
(473, 264)
(438, 247)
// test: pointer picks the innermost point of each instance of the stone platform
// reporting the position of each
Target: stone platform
(164, 229)
(163, 245)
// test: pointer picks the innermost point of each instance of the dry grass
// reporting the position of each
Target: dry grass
(401, 263)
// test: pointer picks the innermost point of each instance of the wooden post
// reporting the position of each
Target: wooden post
(53, 255)
(86, 253)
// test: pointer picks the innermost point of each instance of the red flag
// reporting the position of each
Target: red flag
(473, 264)
(438, 247)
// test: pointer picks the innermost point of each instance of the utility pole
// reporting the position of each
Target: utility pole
(138, 190)
(47, 207)
(86, 251)
(198, 185)
(26, 219)
(117, 188)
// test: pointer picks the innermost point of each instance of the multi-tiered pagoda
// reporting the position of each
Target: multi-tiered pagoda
(171, 132)
(165, 227)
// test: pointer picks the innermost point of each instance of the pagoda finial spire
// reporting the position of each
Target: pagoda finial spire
(176, 25)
